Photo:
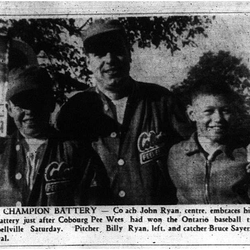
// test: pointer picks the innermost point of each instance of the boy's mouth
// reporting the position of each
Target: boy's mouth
(217, 128)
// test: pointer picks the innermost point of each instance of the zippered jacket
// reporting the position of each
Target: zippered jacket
(218, 179)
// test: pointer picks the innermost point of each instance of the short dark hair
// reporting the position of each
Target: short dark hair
(216, 86)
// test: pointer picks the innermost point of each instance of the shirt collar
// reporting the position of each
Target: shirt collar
(131, 91)
(193, 147)
(131, 97)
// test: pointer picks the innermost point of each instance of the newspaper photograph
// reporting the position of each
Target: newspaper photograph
(125, 124)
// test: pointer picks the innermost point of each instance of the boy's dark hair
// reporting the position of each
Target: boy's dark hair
(216, 86)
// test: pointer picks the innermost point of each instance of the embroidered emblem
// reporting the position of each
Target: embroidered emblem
(150, 146)
(57, 176)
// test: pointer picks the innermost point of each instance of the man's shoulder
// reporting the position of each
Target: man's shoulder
(144, 88)
(58, 138)
(152, 88)
(82, 95)
(81, 103)
(153, 93)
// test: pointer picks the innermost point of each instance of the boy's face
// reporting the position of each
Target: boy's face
(31, 114)
(212, 115)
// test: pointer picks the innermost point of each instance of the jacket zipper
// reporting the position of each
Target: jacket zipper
(207, 182)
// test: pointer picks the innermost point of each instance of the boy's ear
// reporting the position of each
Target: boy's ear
(9, 109)
(191, 113)
(88, 62)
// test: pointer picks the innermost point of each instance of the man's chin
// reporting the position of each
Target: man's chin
(115, 77)
(114, 83)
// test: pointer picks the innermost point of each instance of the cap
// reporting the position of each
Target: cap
(28, 78)
(101, 27)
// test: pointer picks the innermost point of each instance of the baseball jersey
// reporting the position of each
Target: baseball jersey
(61, 170)
(135, 152)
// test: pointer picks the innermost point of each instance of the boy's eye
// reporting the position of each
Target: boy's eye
(17, 108)
(208, 111)
(226, 111)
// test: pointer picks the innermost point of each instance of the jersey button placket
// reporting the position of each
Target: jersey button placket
(18, 203)
(121, 162)
(106, 107)
(18, 176)
(121, 193)
(18, 147)
(113, 135)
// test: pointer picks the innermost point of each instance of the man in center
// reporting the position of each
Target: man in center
(130, 124)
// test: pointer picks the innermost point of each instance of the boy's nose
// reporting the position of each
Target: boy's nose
(218, 116)
(109, 56)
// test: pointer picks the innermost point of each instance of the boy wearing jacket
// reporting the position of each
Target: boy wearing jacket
(38, 167)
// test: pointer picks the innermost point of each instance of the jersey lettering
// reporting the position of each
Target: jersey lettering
(150, 146)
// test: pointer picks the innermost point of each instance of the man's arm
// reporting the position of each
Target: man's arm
(181, 123)
(92, 182)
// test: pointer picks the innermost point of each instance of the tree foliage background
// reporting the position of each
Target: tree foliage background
(56, 41)
(221, 64)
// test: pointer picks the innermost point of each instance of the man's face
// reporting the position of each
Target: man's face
(212, 115)
(109, 61)
(31, 114)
